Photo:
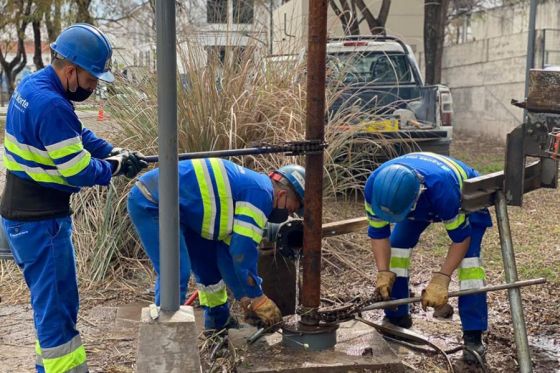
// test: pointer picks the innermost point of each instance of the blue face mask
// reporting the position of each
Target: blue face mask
(80, 95)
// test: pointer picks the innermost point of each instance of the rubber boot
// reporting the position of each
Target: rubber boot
(473, 341)
(402, 321)
(217, 319)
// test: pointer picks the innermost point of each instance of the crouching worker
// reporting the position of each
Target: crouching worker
(413, 191)
(223, 209)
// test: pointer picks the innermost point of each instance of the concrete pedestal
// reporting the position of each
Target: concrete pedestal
(168, 344)
(359, 348)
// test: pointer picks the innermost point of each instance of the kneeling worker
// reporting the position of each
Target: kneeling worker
(223, 210)
(413, 191)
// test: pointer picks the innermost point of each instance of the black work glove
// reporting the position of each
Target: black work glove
(117, 151)
(127, 163)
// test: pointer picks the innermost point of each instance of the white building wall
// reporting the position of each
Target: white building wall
(484, 75)
(405, 20)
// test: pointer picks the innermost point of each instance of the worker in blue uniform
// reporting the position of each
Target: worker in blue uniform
(413, 191)
(223, 209)
(48, 156)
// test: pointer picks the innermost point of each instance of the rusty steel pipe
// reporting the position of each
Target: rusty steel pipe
(314, 130)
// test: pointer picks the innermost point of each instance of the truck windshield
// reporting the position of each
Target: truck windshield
(369, 67)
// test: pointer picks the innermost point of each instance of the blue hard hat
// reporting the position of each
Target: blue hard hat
(295, 175)
(396, 189)
(85, 46)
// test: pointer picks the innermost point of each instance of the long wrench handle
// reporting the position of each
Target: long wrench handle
(485, 289)
(289, 148)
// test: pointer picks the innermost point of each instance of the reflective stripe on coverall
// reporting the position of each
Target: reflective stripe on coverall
(223, 209)
(443, 178)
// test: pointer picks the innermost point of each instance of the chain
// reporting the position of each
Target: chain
(340, 312)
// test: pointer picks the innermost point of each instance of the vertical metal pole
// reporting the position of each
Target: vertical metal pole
(168, 179)
(314, 130)
(271, 26)
(530, 43)
(510, 269)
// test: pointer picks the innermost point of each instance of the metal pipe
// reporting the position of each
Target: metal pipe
(459, 293)
(510, 269)
(530, 48)
(167, 135)
(271, 24)
(290, 148)
(314, 130)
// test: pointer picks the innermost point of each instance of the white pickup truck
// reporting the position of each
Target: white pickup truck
(380, 76)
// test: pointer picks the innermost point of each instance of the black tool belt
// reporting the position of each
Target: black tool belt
(28, 200)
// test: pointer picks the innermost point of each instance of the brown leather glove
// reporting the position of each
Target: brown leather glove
(266, 310)
(436, 293)
(384, 284)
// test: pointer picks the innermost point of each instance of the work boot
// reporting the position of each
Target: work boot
(402, 321)
(231, 323)
(473, 341)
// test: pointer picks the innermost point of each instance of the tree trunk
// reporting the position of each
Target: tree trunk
(435, 19)
(83, 14)
(349, 15)
(14, 67)
(53, 24)
(38, 53)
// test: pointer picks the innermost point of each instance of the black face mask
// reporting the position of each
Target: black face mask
(80, 95)
(278, 215)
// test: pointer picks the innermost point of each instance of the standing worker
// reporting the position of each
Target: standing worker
(48, 156)
(413, 191)
(223, 209)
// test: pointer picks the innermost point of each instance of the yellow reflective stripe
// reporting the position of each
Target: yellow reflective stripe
(207, 194)
(65, 147)
(227, 240)
(376, 223)
(400, 261)
(369, 210)
(38, 357)
(248, 230)
(454, 166)
(472, 273)
(69, 357)
(35, 173)
(224, 193)
(67, 363)
(70, 149)
(250, 210)
(455, 222)
(212, 299)
(75, 165)
(27, 152)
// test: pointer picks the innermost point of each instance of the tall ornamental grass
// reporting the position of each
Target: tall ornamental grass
(238, 102)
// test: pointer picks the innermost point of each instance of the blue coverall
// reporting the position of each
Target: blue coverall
(443, 179)
(49, 154)
(223, 209)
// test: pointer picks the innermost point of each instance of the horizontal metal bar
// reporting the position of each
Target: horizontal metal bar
(344, 226)
(480, 192)
(399, 302)
(293, 148)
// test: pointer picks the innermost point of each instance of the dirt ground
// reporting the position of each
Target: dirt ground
(348, 271)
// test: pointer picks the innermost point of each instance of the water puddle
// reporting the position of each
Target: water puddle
(548, 347)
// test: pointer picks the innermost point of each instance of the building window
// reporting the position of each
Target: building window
(216, 11)
(243, 11)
